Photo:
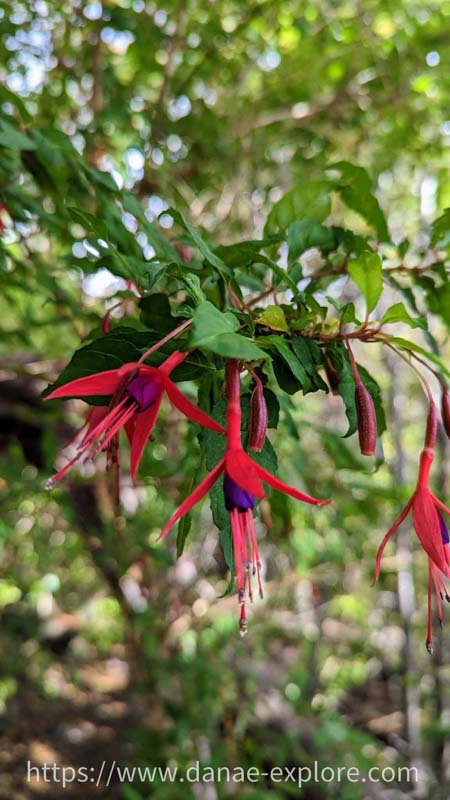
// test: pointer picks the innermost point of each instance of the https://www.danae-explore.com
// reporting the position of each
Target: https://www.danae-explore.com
(107, 773)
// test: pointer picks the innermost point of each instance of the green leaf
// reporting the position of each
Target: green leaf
(347, 392)
(89, 222)
(273, 317)
(200, 243)
(398, 313)
(233, 345)
(366, 272)
(216, 331)
(342, 456)
(305, 233)
(208, 322)
(440, 231)
(14, 139)
(242, 253)
(311, 357)
(193, 288)
(355, 189)
(100, 176)
(309, 201)
(281, 274)
(438, 300)
(156, 238)
(121, 346)
(184, 526)
(283, 347)
(348, 315)
(156, 313)
(405, 344)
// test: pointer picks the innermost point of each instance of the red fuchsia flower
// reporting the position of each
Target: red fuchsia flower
(136, 392)
(429, 525)
(96, 415)
(242, 484)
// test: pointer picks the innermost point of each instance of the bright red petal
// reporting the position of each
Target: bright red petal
(428, 529)
(144, 422)
(189, 410)
(129, 429)
(243, 471)
(275, 482)
(194, 498)
(388, 536)
(173, 361)
(100, 383)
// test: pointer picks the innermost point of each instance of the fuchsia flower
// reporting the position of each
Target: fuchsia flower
(242, 484)
(136, 394)
(429, 525)
(97, 414)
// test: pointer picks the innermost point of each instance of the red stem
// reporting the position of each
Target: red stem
(167, 338)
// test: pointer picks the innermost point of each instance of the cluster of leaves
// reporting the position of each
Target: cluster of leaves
(258, 301)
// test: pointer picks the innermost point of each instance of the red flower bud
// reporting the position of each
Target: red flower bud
(367, 421)
(445, 408)
(431, 430)
(258, 417)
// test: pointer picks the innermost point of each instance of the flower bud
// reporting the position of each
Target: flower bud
(367, 421)
(445, 408)
(258, 418)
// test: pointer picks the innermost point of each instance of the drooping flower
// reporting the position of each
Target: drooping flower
(429, 525)
(97, 413)
(136, 392)
(242, 484)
